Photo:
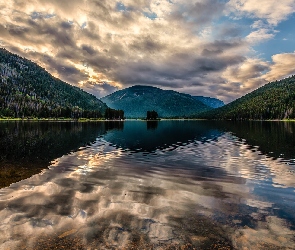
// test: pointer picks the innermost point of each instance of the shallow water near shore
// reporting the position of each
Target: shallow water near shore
(148, 185)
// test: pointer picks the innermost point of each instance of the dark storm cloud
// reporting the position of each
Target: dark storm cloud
(56, 31)
(219, 46)
(42, 31)
(92, 32)
(205, 65)
(102, 61)
(211, 52)
(68, 53)
(147, 43)
(99, 90)
(17, 31)
(58, 36)
(88, 49)
(66, 25)
(68, 73)
(18, 34)
(176, 72)
(118, 50)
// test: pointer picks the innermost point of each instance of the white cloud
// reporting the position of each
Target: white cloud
(270, 10)
(255, 72)
(283, 65)
(260, 35)
(247, 75)
(183, 48)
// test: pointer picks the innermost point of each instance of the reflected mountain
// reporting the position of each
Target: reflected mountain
(141, 136)
(275, 139)
(28, 147)
(200, 187)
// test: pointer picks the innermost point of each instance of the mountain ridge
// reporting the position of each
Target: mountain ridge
(167, 103)
(272, 101)
(27, 90)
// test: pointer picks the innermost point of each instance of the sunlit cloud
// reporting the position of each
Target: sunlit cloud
(187, 46)
(95, 194)
(260, 35)
(283, 66)
(269, 10)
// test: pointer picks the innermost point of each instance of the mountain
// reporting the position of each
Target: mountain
(275, 100)
(137, 100)
(209, 101)
(27, 90)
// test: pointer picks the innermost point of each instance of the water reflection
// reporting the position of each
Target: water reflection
(208, 190)
(152, 125)
(149, 136)
(275, 139)
(26, 148)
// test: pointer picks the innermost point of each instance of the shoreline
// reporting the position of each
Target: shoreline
(128, 119)
(56, 120)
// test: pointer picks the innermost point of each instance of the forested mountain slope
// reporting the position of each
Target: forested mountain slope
(28, 90)
(137, 100)
(275, 100)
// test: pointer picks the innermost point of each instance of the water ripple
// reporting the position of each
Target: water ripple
(210, 190)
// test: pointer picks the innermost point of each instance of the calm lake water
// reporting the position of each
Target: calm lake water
(147, 185)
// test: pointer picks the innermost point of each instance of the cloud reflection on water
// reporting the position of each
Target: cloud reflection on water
(106, 196)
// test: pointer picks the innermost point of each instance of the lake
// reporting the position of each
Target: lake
(147, 185)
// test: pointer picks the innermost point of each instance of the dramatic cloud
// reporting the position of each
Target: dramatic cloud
(283, 66)
(249, 74)
(201, 47)
(270, 10)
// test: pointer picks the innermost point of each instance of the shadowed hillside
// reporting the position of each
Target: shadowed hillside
(137, 100)
(275, 100)
(28, 90)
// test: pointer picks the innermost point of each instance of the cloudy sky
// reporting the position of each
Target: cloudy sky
(217, 48)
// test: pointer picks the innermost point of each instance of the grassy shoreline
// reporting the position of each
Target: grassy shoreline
(53, 119)
(127, 119)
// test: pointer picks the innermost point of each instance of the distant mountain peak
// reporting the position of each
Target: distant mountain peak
(138, 99)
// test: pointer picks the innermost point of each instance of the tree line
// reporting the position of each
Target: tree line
(27, 90)
(152, 115)
(275, 100)
(113, 114)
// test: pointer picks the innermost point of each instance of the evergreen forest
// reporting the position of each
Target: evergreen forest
(28, 90)
(273, 101)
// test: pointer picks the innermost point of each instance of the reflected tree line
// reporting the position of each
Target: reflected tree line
(28, 147)
(276, 139)
(152, 118)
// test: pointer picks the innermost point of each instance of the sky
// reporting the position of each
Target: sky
(217, 48)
